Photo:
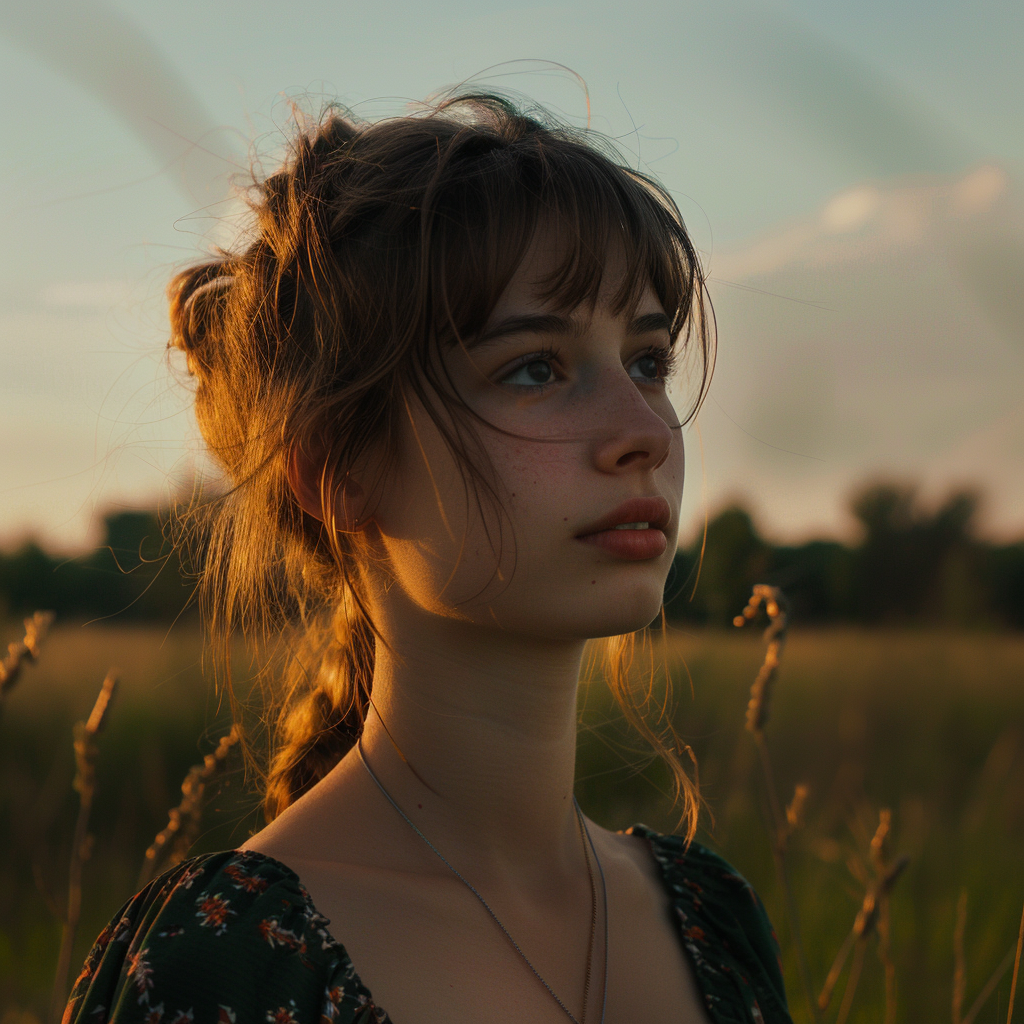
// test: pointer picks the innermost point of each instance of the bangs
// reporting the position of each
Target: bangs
(494, 194)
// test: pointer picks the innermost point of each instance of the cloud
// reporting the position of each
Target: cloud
(903, 352)
(870, 219)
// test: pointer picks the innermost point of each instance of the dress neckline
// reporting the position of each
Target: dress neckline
(321, 923)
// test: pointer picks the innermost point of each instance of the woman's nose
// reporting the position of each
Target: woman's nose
(629, 434)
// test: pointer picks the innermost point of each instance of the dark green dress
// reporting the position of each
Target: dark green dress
(233, 938)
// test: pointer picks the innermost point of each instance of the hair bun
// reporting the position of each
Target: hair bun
(197, 299)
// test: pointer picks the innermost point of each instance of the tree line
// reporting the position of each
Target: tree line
(913, 565)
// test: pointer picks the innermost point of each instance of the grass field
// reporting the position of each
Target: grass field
(928, 724)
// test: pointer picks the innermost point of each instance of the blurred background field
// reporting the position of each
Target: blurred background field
(927, 722)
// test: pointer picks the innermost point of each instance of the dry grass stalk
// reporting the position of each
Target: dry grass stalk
(797, 806)
(959, 982)
(959, 958)
(21, 651)
(990, 986)
(776, 607)
(835, 970)
(867, 916)
(873, 916)
(183, 821)
(1016, 969)
(86, 750)
(879, 862)
(866, 922)
(853, 981)
(888, 966)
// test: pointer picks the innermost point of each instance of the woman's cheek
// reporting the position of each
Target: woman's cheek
(526, 465)
(675, 461)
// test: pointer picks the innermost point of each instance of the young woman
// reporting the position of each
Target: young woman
(436, 374)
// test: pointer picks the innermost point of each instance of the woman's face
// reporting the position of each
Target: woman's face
(591, 442)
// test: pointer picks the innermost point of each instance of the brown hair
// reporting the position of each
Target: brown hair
(373, 245)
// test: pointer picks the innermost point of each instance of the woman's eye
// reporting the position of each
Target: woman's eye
(649, 367)
(536, 371)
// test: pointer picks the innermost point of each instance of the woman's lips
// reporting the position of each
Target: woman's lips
(634, 545)
(641, 534)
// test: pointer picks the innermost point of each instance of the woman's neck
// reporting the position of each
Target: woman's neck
(475, 731)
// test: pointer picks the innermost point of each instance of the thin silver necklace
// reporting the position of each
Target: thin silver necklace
(458, 874)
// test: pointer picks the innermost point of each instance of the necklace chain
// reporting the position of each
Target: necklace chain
(593, 914)
(588, 842)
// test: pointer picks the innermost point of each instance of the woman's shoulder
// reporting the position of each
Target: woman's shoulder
(724, 926)
(224, 937)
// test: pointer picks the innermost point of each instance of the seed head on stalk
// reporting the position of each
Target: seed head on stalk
(86, 751)
(797, 806)
(872, 918)
(183, 821)
(21, 651)
(776, 606)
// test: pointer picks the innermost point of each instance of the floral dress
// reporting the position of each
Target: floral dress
(234, 938)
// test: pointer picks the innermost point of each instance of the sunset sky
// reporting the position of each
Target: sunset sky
(850, 172)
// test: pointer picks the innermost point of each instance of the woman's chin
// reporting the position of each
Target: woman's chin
(627, 614)
(561, 609)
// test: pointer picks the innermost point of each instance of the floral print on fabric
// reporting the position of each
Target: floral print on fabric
(234, 937)
(724, 928)
(227, 938)
(213, 913)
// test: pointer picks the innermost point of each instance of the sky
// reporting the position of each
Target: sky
(851, 173)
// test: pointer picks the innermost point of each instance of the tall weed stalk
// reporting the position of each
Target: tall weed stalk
(86, 751)
(20, 652)
(777, 608)
(173, 842)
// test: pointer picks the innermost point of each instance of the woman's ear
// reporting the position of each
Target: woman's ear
(319, 495)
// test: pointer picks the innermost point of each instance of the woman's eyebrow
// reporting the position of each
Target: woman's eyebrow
(555, 323)
(649, 323)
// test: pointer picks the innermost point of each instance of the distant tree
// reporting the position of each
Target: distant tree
(817, 577)
(890, 569)
(140, 566)
(26, 580)
(1004, 569)
(913, 565)
(138, 572)
(916, 566)
(734, 559)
